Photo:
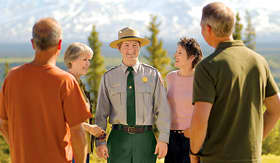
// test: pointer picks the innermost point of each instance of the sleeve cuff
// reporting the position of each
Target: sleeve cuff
(84, 118)
(98, 142)
(3, 117)
(164, 137)
(203, 99)
(195, 154)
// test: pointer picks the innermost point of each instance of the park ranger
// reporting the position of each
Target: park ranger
(133, 97)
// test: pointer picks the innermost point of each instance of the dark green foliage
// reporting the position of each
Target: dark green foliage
(271, 144)
(96, 69)
(4, 148)
(157, 57)
(237, 34)
(4, 151)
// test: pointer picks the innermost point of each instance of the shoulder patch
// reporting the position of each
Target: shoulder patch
(160, 78)
(149, 66)
(112, 68)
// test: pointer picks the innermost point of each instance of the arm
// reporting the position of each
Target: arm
(162, 112)
(199, 125)
(194, 159)
(102, 108)
(272, 113)
(271, 101)
(4, 130)
(79, 143)
(75, 113)
(204, 93)
(93, 129)
(102, 113)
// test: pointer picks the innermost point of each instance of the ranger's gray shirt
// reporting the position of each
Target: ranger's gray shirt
(151, 104)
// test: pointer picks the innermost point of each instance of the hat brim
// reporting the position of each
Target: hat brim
(143, 41)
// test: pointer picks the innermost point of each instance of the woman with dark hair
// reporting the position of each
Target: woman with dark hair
(179, 94)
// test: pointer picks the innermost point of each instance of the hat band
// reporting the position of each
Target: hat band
(129, 37)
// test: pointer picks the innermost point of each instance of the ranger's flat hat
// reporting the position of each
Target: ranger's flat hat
(127, 34)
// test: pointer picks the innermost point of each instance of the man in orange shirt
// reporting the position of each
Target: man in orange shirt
(42, 107)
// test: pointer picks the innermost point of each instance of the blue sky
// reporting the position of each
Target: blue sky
(178, 17)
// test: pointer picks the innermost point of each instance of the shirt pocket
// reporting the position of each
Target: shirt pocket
(145, 93)
(116, 96)
(145, 103)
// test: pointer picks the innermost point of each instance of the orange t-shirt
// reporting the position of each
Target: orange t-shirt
(40, 103)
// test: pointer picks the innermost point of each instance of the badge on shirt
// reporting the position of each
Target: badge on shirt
(145, 79)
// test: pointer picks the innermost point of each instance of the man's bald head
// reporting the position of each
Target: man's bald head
(46, 33)
(219, 17)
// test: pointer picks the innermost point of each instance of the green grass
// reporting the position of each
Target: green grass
(95, 159)
(265, 159)
(270, 159)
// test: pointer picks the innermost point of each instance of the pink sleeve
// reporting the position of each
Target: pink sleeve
(169, 78)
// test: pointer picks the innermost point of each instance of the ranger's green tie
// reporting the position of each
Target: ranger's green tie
(130, 98)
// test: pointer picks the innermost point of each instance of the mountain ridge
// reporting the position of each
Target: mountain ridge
(25, 49)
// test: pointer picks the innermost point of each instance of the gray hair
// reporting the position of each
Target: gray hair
(74, 51)
(219, 17)
(46, 33)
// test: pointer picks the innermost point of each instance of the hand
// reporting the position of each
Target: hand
(93, 129)
(194, 159)
(102, 151)
(187, 133)
(161, 149)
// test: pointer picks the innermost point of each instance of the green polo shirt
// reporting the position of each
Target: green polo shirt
(236, 80)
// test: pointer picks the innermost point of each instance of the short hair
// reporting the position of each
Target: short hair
(219, 17)
(192, 49)
(74, 51)
(46, 33)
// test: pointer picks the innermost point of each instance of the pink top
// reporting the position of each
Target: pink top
(179, 94)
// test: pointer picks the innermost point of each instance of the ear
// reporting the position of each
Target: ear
(119, 48)
(33, 45)
(192, 57)
(208, 28)
(59, 45)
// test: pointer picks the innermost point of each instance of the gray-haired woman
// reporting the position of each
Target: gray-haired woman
(77, 59)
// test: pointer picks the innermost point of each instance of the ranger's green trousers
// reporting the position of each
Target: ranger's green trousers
(131, 148)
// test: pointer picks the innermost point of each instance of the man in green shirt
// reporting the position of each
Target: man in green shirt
(230, 87)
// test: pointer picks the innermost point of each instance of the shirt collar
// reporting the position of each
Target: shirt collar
(226, 44)
(135, 67)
